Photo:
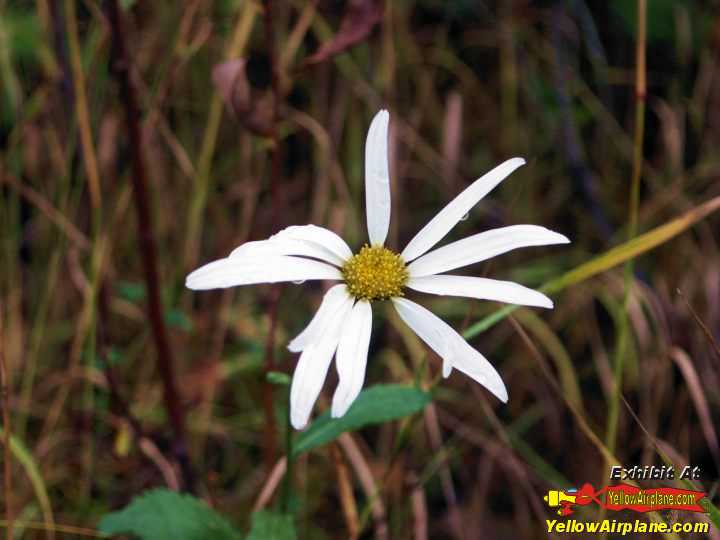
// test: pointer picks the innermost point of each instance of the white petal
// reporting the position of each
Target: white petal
(482, 288)
(482, 246)
(249, 270)
(450, 346)
(307, 381)
(312, 368)
(334, 300)
(319, 235)
(447, 218)
(305, 240)
(377, 179)
(286, 246)
(351, 357)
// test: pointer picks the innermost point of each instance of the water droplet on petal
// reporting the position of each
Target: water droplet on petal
(465, 217)
(299, 282)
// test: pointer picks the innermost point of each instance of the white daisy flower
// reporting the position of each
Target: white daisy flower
(341, 327)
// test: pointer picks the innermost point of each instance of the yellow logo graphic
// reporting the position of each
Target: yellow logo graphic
(555, 498)
(625, 497)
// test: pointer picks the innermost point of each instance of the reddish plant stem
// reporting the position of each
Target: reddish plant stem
(270, 442)
(118, 404)
(120, 67)
(7, 472)
(275, 82)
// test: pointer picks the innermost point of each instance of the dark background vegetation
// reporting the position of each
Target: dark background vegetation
(129, 157)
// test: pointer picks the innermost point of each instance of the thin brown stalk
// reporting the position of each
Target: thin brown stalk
(275, 78)
(7, 469)
(150, 449)
(640, 96)
(271, 484)
(270, 427)
(81, 106)
(120, 67)
(65, 529)
(711, 339)
(347, 497)
(367, 483)
(419, 509)
(90, 162)
(699, 399)
(637, 166)
(45, 207)
(448, 486)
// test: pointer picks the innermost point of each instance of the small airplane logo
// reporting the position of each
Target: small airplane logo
(561, 499)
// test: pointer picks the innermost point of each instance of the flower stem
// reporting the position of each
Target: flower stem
(287, 479)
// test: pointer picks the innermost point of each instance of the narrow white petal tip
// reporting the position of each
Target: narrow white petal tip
(194, 281)
(497, 388)
(446, 369)
(295, 348)
(298, 423)
(541, 300)
(338, 410)
(553, 237)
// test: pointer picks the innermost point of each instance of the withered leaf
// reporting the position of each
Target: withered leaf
(359, 20)
(233, 86)
(231, 82)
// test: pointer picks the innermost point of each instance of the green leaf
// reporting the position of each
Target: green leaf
(20, 32)
(177, 319)
(26, 460)
(711, 509)
(160, 514)
(131, 291)
(114, 356)
(375, 405)
(279, 378)
(267, 525)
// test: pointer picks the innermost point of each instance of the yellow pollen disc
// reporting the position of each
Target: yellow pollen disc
(376, 273)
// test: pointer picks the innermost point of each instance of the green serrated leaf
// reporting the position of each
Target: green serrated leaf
(267, 525)
(375, 405)
(161, 514)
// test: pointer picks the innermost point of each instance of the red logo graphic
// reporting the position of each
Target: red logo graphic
(626, 497)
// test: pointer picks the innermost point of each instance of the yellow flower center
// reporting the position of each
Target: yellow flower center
(376, 273)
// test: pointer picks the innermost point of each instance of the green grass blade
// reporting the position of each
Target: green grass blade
(609, 259)
(25, 458)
